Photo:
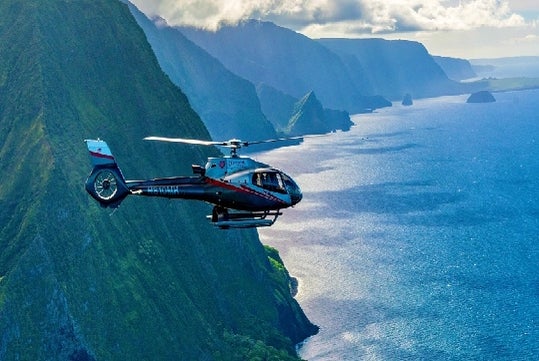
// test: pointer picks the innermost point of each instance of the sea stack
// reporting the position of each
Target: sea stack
(483, 96)
(407, 100)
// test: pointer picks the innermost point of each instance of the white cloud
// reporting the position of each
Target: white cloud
(465, 28)
(421, 15)
(353, 16)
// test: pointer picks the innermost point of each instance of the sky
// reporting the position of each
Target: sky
(469, 29)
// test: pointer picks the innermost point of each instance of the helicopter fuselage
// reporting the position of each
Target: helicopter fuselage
(235, 191)
(234, 182)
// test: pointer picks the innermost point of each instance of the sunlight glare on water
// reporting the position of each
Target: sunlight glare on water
(417, 234)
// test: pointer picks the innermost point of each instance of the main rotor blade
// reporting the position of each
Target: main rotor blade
(232, 143)
(186, 141)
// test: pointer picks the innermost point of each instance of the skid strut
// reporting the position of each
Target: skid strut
(225, 218)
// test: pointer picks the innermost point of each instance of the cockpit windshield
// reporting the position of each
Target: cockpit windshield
(276, 181)
(292, 188)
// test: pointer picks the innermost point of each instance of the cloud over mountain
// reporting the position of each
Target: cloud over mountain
(351, 17)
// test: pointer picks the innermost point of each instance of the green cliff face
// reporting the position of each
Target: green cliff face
(151, 281)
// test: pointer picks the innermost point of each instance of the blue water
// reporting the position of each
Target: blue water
(418, 234)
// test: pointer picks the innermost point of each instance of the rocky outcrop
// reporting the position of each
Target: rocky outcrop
(482, 96)
(309, 117)
(292, 116)
(407, 100)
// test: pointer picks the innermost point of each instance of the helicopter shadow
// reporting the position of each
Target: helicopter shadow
(386, 149)
(410, 202)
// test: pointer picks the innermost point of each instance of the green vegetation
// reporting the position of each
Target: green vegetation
(153, 280)
(500, 85)
(246, 348)
(510, 84)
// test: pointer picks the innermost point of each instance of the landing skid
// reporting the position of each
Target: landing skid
(226, 219)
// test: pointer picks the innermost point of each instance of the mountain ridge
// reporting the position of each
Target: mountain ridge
(309, 117)
(346, 74)
(395, 67)
(263, 52)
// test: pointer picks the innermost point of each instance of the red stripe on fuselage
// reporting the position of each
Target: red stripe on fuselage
(244, 189)
(101, 155)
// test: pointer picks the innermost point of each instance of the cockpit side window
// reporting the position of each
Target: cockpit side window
(271, 181)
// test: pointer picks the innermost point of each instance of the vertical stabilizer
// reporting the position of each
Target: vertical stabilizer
(99, 152)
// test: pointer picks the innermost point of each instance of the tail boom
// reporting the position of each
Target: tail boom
(107, 185)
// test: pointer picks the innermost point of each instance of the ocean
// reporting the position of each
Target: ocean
(418, 233)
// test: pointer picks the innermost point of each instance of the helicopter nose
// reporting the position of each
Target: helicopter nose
(296, 197)
(295, 193)
(293, 189)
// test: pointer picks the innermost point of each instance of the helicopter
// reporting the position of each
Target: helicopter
(244, 193)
